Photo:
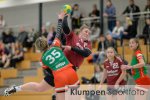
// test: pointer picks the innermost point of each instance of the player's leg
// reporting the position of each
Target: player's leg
(110, 97)
(121, 97)
(46, 84)
(60, 96)
(35, 87)
(142, 95)
(121, 93)
(143, 84)
(60, 88)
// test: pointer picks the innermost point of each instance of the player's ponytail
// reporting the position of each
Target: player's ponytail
(41, 44)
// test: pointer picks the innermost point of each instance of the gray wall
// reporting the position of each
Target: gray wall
(28, 15)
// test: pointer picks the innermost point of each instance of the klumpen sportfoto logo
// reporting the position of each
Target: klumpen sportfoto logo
(128, 91)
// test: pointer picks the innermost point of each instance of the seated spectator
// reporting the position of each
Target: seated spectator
(17, 54)
(44, 32)
(129, 30)
(22, 36)
(117, 31)
(30, 38)
(8, 38)
(146, 31)
(96, 77)
(51, 35)
(4, 59)
(110, 42)
(95, 32)
(99, 56)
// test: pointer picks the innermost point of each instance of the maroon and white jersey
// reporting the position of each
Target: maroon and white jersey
(113, 70)
(73, 40)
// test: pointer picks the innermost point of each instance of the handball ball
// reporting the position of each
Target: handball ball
(67, 9)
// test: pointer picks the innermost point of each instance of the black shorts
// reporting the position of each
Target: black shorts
(49, 78)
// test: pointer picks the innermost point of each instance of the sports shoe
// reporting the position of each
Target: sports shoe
(9, 91)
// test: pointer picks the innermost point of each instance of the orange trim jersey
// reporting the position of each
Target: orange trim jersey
(140, 75)
(55, 59)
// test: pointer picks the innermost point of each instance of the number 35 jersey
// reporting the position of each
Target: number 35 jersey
(54, 58)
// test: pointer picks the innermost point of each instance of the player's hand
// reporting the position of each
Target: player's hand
(61, 15)
(116, 85)
(125, 67)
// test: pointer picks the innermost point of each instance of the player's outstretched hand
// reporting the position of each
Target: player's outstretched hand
(61, 15)
(125, 67)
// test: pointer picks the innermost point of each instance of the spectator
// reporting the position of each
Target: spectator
(76, 17)
(30, 38)
(117, 31)
(110, 42)
(95, 78)
(95, 13)
(110, 12)
(130, 10)
(17, 54)
(129, 31)
(22, 36)
(146, 31)
(95, 32)
(51, 35)
(99, 56)
(2, 24)
(44, 32)
(4, 59)
(7, 37)
(147, 9)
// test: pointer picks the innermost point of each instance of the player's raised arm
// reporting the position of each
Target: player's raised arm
(65, 26)
(59, 26)
(57, 40)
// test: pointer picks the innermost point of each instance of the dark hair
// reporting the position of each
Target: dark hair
(101, 35)
(76, 4)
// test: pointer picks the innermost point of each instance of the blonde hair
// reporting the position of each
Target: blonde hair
(128, 21)
(83, 27)
(41, 43)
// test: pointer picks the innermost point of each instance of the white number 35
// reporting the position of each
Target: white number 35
(54, 54)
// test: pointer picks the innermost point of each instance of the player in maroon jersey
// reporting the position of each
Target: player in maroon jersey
(77, 46)
(113, 73)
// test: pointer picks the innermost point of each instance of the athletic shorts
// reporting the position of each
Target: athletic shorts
(143, 83)
(49, 77)
(65, 77)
